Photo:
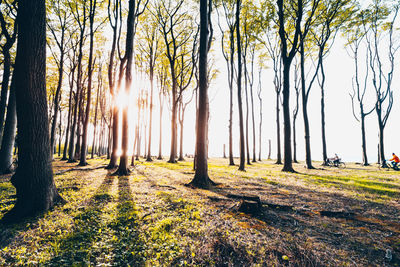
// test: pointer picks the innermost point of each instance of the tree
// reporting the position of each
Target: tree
(58, 27)
(268, 36)
(239, 85)
(176, 27)
(305, 89)
(201, 178)
(329, 19)
(187, 67)
(261, 117)
(296, 109)
(162, 79)
(287, 55)
(92, 11)
(380, 23)
(99, 88)
(134, 11)
(114, 17)
(8, 140)
(71, 75)
(33, 178)
(355, 36)
(80, 19)
(8, 27)
(229, 7)
(150, 51)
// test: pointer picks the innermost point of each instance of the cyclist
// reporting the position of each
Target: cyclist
(395, 160)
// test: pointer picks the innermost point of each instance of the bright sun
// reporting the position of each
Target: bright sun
(129, 100)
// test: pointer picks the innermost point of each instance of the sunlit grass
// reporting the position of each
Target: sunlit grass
(152, 218)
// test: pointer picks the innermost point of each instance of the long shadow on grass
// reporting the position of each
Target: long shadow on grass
(9, 231)
(128, 247)
(293, 219)
(76, 248)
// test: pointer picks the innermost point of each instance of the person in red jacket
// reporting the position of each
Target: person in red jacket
(395, 160)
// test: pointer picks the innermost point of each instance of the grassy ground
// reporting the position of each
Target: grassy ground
(326, 216)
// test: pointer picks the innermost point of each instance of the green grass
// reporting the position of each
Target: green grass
(151, 218)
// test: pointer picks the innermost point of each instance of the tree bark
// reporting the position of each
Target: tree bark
(287, 166)
(33, 180)
(201, 179)
(247, 110)
(67, 131)
(4, 85)
(278, 130)
(304, 106)
(77, 96)
(239, 85)
(172, 155)
(8, 140)
(323, 131)
(151, 115)
(57, 96)
(92, 11)
(363, 138)
(123, 162)
(232, 54)
(160, 141)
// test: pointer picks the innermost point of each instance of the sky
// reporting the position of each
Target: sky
(343, 132)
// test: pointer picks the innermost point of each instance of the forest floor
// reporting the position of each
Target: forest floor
(327, 216)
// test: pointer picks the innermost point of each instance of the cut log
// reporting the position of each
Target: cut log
(245, 197)
(250, 207)
(337, 214)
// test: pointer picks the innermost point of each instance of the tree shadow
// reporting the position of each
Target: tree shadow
(128, 246)
(76, 248)
(357, 231)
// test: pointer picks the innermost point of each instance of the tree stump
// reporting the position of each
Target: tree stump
(250, 207)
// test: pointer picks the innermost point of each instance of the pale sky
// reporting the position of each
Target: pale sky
(342, 130)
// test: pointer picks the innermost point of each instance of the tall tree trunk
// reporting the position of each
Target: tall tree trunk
(4, 86)
(278, 130)
(363, 138)
(224, 154)
(65, 157)
(60, 134)
(247, 112)
(304, 106)
(181, 118)
(253, 121)
(287, 166)
(8, 140)
(201, 178)
(381, 131)
(33, 180)
(160, 141)
(269, 149)
(89, 89)
(151, 116)
(95, 119)
(294, 140)
(57, 96)
(172, 156)
(77, 97)
(239, 85)
(181, 158)
(261, 117)
(113, 138)
(80, 122)
(324, 150)
(123, 161)
(232, 64)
